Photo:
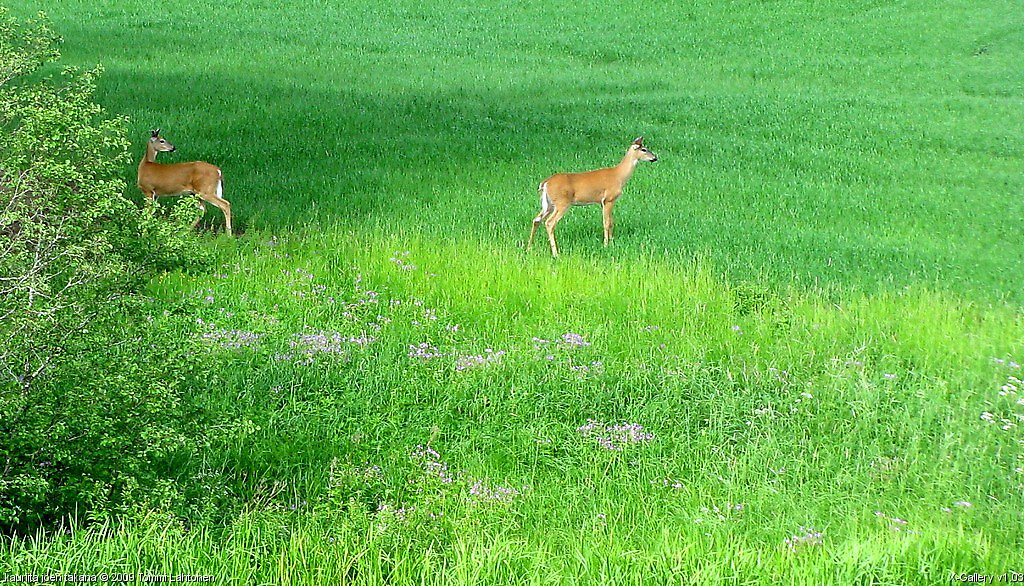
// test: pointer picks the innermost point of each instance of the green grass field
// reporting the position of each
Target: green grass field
(796, 364)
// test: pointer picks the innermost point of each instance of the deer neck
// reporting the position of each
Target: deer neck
(624, 170)
(150, 154)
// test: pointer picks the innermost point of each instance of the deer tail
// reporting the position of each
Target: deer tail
(545, 199)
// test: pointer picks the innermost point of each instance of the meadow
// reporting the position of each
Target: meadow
(798, 362)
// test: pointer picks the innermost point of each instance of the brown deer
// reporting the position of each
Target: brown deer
(602, 186)
(198, 177)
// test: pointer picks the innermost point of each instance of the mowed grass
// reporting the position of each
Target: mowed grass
(810, 307)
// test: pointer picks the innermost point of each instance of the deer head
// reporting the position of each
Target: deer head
(158, 143)
(640, 152)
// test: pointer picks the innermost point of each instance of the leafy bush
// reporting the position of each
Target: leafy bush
(90, 389)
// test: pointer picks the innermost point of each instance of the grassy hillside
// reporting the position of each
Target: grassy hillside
(850, 143)
(797, 363)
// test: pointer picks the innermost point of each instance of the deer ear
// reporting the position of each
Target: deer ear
(154, 133)
(639, 141)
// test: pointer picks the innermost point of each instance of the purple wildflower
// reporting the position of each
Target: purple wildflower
(400, 514)
(315, 343)
(808, 537)
(669, 483)
(614, 437)
(894, 523)
(424, 351)
(400, 259)
(574, 340)
(430, 462)
(483, 492)
(362, 340)
(583, 369)
(488, 357)
(232, 339)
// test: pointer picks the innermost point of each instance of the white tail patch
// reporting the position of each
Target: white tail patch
(545, 200)
(220, 184)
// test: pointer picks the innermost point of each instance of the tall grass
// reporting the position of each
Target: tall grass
(809, 321)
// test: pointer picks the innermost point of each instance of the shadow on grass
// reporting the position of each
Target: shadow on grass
(298, 155)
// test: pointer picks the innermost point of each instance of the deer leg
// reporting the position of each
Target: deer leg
(225, 208)
(550, 224)
(545, 210)
(223, 204)
(606, 209)
(536, 222)
(202, 211)
(149, 200)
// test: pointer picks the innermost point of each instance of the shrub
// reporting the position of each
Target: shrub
(91, 391)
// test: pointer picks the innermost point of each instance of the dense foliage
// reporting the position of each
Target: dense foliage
(89, 386)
